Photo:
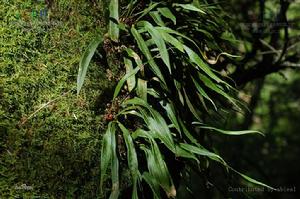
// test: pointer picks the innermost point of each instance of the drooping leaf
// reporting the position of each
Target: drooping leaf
(171, 31)
(245, 132)
(153, 184)
(85, 61)
(145, 50)
(180, 152)
(203, 66)
(159, 41)
(158, 169)
(171, 40)
(170, 109)
(131, 82)
(155, 122)
(147, 10)
(203, 152)
(207, 82)
(190, 7)
(203, 93)
(193, 110)
(187, 133)
(252, 180)
(114, 168)
(131, 158)
(157, 19)
(137, 59)
(142, 89)
(166, 12)
(114, 20)
(106, 151)
(123, 80)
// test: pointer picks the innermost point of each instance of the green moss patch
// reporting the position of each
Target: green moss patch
(49, 136)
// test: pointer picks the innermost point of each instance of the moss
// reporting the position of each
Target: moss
(50, 138)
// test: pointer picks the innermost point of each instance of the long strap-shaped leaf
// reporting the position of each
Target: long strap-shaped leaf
(114, 20)
(132, 159)
(145, 50)
(159, 41)
(227, 132)
(114, 168)
(158, 169)
(106, 152)
(85, 61)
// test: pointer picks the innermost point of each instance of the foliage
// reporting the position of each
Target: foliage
(170, 87)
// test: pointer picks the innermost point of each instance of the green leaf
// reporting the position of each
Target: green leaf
(172, 115)
(106, 151)
(114, 168)
(252, 180)
(114, 14)
(203, 93)
(155, 122)
(153, 184)
(142, 89)
(144, 48)
(158, 126)
(207, 82)
(187, 133)
(180, 152)
(191, 107)
(194, 58)
(159, 41)
(245, 132)
(123, 80)
(190, 7)
(129, 68)
(171, 31)
(85, 61)
(137, 59)
(171, 40)
(166, 12)
(157, 19)
(158, 169)
(178, 88)
(203, 152)
(131, 158)
(147, 10)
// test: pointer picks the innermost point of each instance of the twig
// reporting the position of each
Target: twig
(44, 106)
